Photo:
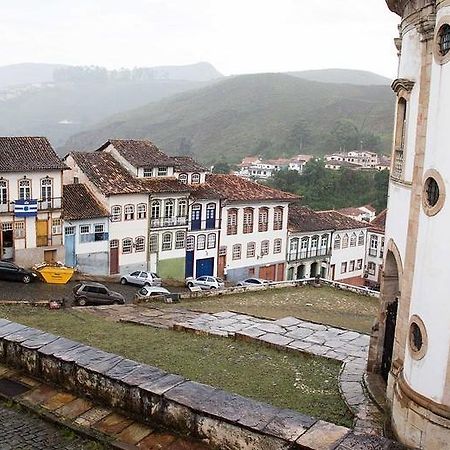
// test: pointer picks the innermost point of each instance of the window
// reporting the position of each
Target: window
(382, 247)
(359, 264)
(127, 245)
(46, 189)
(353, 240)
(56, 226)
(264, 248)
(156, 209)
(444, 39)
(99, 234)
(85, 229)
(3, 192)
(263, 219)
(190, 244)
(19, 230)
(167, 241)
(139, 244)
(183, 178)
(304, 244)
(251, 250)
(24, 189)
(343, 267)
(223, 250)
(371, 267)
(195, 178)
(153, 243)
(314, 245)
(400, 138)
(201, 242)
(116, 213)
(277, 246)
(182, 208)
(345, 241)
(128, 212)
(361, 238)
(324, 241)
(179, 239)
(337, 242)
(69, 231)
(431, 192)
(373, 245)
(352, 266)
(162, 171)
(168, 209)
(237, 251)
(293, 248)
(148, 172)
(211, 240)
(210, 216)
(141, 211)
(232, 221)
(248, 220)
(278, 218)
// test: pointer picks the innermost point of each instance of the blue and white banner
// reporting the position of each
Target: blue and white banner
(25, 208)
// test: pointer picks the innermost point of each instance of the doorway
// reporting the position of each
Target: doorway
(114, 257)
(6, 243)
(301, 272)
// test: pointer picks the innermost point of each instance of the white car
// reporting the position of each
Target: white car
(253, 282)
(205, 282)
(151, 291)
(141, 278)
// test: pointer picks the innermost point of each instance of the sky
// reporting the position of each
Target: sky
(236, 36)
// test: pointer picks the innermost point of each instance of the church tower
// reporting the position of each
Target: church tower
(410, 344)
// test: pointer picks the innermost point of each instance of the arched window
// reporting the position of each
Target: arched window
(211, 240)
(264, 248)
(337, 242)
(116, 213)
(190, 243)
(3, 192)
(167, 241)
(304, 247)
(400, 137)
(248, 220)
(210, 216)
(324, 241)
(156, 209)
(127, 245)
(278, 218)
(314, 245)
(46, 189)
(139, 244)
(201, 242)
(251, 250)
(353, 240)
(232, 219)
(345, 241)
(153, 243)
(24, 189)
(141, 211)
(128, 212)
(168, 208)
(263, 219)
(180, 237)
(277, 246)
(196, 217)
(237, 248)
(182, 209)
(195, 178)
(361, 238)
(183, 178)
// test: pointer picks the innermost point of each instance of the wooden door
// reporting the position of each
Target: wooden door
(114, 257)
(268, 272)
(280, 272)
(221, 265)
(50, 256)
(41, 233)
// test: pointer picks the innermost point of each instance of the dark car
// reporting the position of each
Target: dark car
(96, 293)
(11, 272)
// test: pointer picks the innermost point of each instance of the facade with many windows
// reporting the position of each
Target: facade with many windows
(30, 201)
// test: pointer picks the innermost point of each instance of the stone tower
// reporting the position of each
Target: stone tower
(411, 340)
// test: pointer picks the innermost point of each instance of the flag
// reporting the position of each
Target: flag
(25, 208)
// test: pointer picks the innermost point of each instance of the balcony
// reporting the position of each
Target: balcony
(50, 203)
(167, 222)
(208, 224)
(308, 254)
(373, 252)
(6, 207)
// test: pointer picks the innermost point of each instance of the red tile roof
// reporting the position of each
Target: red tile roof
(379, 223)
(302, 219)
(28, 154)
(79, 203)
(238, 189)
(187, 164)
(341, 222)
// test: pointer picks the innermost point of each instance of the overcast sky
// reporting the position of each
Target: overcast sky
(236, 36)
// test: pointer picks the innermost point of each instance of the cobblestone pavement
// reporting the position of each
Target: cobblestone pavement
(22, 431)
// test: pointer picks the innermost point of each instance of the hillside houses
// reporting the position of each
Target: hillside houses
(356, 160)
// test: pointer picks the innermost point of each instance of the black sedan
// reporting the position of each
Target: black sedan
(11, 272)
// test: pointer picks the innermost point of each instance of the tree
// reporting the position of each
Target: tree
(221, 167)
(299, 137)
(345, 135)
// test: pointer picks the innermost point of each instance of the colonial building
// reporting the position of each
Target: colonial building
(375, 251)
(309, 244)
(30, 201)
(86, 230)
(410, 345)
(364, 213)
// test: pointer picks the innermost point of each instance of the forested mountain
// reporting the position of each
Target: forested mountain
(267, 114)
(343, 76)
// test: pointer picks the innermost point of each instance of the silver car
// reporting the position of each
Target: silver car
(141, 278)
(205, 282)
(147, 292)
(253, 282)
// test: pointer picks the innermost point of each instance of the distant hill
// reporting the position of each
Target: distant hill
(68, 99)
(270, 114)
(343, 76)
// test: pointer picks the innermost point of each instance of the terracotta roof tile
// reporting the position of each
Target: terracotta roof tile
(235, 188)
(341, 222)
(303, 219)
(379, 223)
(79, 203)
(25, 154)
(187, 164)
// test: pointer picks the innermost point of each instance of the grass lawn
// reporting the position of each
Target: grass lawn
(326, 305)
(301, 382)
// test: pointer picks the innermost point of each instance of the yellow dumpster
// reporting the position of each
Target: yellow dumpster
(54, 273)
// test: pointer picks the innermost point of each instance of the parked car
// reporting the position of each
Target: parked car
(141, 278)
(253, 282)
(11, 272)
(96, 293)
(205, 282)
(151, 291)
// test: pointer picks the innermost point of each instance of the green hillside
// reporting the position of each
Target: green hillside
(347, 76)
(269, 114)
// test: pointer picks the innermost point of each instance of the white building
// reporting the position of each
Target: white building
(30, 201)
(86, 231)
(364, 213)
(375, 251)
(410, 345)
(257, 168)
(309, 244)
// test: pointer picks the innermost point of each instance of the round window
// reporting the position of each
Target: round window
(417, 338)
(443, 40)
(431, 191)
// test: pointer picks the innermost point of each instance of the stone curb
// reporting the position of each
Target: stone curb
(39, 303)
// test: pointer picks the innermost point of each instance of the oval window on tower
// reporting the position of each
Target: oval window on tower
(442, 41)
(433, 193)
